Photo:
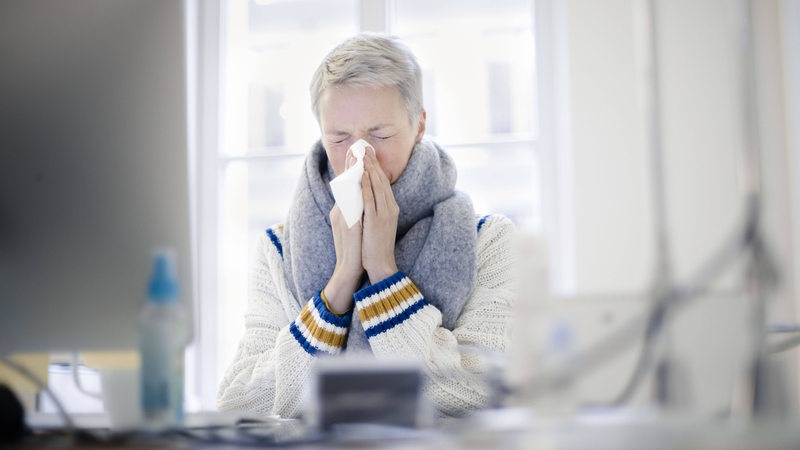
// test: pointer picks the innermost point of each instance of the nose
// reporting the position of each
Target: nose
(359, 148)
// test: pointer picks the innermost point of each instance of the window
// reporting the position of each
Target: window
(477, 58)
(269, 49)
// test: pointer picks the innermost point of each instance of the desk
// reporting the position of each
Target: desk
(503, 429)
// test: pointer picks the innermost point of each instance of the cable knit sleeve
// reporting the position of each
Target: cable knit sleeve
(399, 322)
(273, 361)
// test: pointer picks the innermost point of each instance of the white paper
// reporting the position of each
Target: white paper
(346, 187)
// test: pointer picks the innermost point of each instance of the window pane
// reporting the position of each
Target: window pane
(270, 68)
(271, 51)
(502, 178)
(287, 42)
(256, 195)
(269, 191)
(477, 58)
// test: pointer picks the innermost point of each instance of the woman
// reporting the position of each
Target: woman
(420, 276)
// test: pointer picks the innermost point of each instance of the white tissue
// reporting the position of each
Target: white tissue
(346, 187)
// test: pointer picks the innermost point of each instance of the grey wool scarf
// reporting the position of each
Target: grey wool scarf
(436, 234)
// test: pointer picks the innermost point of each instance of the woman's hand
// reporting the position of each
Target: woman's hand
(347, 273)
(379, 223)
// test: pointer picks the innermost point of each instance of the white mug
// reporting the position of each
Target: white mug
(121, 397)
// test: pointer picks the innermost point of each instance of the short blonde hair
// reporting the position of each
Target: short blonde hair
(375, 60)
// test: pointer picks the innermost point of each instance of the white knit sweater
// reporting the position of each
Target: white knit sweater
(273, 362)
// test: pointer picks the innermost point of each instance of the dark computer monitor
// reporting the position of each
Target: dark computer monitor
(93, 167)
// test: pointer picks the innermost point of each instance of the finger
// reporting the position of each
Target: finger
(367, 194)
(382, 189)
(335, 214)
(381, 176)
(376, 194)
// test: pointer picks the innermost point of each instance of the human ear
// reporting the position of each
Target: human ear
(421, 125)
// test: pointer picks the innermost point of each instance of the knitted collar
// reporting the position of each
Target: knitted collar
(436, 236)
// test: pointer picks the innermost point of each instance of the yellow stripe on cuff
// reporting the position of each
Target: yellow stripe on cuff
(393, 299)
(319, 333)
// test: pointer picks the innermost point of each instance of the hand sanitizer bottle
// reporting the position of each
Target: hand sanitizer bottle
(163, 335)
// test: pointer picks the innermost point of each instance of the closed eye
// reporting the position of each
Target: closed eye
(339, 139)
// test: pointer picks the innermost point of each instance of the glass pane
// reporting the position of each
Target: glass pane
(269, 191)
(256, 195)
(502, 178)
(287, 42)
(271, 51)
(477, 58)
(270, 68)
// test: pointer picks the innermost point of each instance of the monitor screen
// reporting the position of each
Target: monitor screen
(93, 168)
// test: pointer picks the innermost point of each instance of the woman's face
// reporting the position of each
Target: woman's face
(377, 115)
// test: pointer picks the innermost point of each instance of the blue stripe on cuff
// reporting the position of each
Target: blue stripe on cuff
(482, 221)
(379, 286)
(331, 318)
(396, 320)
(275, 241)
(298, 336)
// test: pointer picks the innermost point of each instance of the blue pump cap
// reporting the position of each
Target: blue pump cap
(163, 286)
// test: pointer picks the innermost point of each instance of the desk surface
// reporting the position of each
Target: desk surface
(506, 429)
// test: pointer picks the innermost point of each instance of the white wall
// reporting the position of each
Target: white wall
(611, 241)
(701, 139)
(788, 33)
(612, 222)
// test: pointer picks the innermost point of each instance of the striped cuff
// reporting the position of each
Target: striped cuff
(319, 330)
(388, 303)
